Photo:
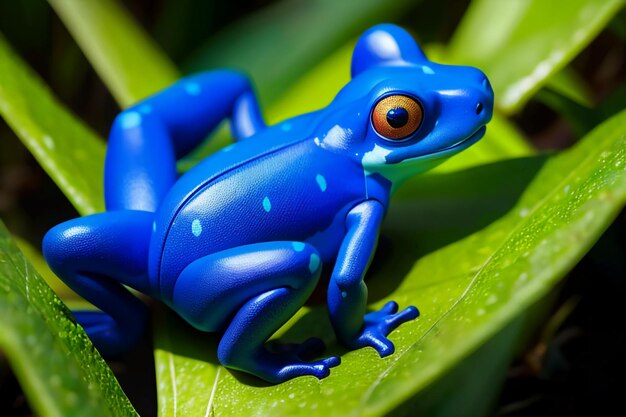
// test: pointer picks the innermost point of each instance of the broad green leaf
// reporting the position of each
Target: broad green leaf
(56, 364)
(67, 149)
(282, 41)
(468, 290)
(35, 258)
(521, 43)
(65, 293)
(569, 203)
(126, 59)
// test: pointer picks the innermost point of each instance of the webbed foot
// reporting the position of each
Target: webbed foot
(280, 367)
(378, 324)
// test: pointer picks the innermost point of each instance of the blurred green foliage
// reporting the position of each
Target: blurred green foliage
(478, 245)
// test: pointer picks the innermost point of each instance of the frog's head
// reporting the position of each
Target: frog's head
(403, 114)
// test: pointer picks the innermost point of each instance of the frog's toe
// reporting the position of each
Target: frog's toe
(319, 369)
(395, 320)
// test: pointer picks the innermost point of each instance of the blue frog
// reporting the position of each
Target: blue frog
(237, 244)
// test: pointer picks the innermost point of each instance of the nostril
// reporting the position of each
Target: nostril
(479, 108)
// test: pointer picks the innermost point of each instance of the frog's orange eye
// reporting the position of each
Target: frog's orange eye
(397, 117)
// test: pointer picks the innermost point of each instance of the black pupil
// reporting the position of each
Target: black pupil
(397, 117)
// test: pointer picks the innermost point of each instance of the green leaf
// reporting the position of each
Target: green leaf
(517, 259)
(532, 219)
(520, 44)
(65, 293)
(282, 41)
(56, 364)
(126, 59)
(467, 290)
(68, 150)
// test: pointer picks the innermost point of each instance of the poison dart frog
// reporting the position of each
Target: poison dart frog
(237, 244)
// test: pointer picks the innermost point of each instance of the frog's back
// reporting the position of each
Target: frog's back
(273, 190)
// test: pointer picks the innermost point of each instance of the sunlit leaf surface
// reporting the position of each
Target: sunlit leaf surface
(69, 151)
(126, 59)
(467, 291)
(281, 42)
(521, 43)
(56, 364)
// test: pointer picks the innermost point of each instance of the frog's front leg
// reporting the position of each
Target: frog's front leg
(147, 138)
(249, 292)
(347, 293)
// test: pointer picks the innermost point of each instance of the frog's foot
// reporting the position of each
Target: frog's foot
(279, 367)
(378, 324)
(289, 359)
(238, 349)
(251, 291)
(109, 336)
(95, 255)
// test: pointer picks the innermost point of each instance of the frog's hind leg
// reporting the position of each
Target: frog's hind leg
(147, 138)
(95, 255)
(249, 292)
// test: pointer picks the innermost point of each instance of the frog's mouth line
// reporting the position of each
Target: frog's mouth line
(464, 143)
(457, 147)
(452, 149)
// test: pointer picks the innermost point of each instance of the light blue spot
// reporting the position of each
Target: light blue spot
(297, 246)
(153, 226)
(196, 227)
(145, 109)
(267, 205)
(130, 120)
(228, 148)
(427, 70)
(285, 127)
(314, 262)
(321, 181)
(344, 294)
(193, 88)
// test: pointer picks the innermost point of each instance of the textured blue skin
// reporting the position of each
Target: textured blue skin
(238, 243)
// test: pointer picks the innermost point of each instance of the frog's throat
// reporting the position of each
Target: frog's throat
(375, 161)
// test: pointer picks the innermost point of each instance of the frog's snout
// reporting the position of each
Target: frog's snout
(484, 100)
